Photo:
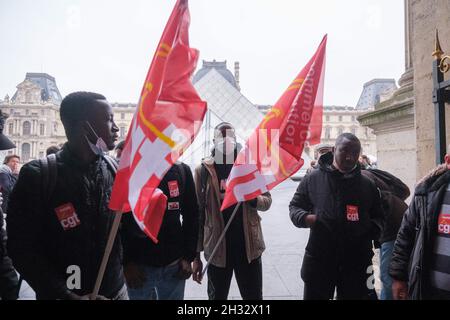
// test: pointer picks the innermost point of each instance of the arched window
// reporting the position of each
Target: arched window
(26, 152)
(26, 130)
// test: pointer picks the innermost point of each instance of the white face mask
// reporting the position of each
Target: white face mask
(100, 146)
(226, 146)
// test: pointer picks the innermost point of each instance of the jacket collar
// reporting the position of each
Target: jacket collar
(208, 162)
(437, 178)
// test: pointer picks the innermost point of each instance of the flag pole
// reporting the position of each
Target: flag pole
(109, 245)
(108, 249)
(222, 236)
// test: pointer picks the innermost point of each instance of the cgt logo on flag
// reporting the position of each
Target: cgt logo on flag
(168, 117)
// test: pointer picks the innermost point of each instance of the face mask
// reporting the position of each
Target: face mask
(226, 146)
(100, 147)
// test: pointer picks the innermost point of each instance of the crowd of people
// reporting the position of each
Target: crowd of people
(58, 222)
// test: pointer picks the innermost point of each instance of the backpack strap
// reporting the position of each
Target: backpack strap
(111, 163)
(49, 172)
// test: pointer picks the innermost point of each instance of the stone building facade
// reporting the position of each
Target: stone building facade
(340, 119)
(404, 124)
(34, 122)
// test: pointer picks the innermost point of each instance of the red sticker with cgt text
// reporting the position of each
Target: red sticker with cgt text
(173, 189)
(352, 213)
(444, 223)
(67, 216)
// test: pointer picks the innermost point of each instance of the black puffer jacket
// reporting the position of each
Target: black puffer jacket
(393, 195)
(415, 240)
(334, 242)
(44, 241)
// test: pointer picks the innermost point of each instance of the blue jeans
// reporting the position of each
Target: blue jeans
(160, 284)
(385, 261)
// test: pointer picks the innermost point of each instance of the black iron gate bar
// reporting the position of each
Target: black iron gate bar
(441, 96)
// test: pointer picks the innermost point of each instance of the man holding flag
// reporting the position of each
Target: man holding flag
(240, 252)
(273, 152)
(59, 220)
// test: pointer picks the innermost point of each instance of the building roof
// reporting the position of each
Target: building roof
(220, 67)
(47, 83)
(372, 92)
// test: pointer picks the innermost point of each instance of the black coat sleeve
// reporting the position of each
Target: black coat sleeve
(398, 269)
(301, 204)
(190, 217)
(25, 228)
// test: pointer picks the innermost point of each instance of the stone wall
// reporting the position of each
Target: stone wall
(426, 16)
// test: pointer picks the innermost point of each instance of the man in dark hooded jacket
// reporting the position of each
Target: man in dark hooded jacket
(420, 264)
(58, 219)
(343, 210)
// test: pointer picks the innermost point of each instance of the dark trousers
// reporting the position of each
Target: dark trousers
(9, 283)
(348, 286)
(248, 277)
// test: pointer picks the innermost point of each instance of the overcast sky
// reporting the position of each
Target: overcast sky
(107, 46)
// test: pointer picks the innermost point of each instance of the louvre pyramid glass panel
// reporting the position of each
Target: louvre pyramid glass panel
(225, 104)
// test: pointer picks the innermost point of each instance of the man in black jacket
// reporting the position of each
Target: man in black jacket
(343, 210)
(160, 270)
(9, 283)
(58, 219)
(8, 178)
(420, 264)
(393, 195)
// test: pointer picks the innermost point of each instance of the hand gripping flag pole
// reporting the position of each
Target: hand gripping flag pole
(222, 236)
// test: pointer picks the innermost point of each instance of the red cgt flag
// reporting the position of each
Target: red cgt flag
(167, 118)
(273, 152)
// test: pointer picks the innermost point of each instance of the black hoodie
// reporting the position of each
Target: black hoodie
(349, 218)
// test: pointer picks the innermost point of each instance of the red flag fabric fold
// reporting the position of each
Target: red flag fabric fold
(167, 119)
(273, 152)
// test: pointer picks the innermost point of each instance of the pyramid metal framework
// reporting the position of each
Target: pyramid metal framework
(225, 104)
